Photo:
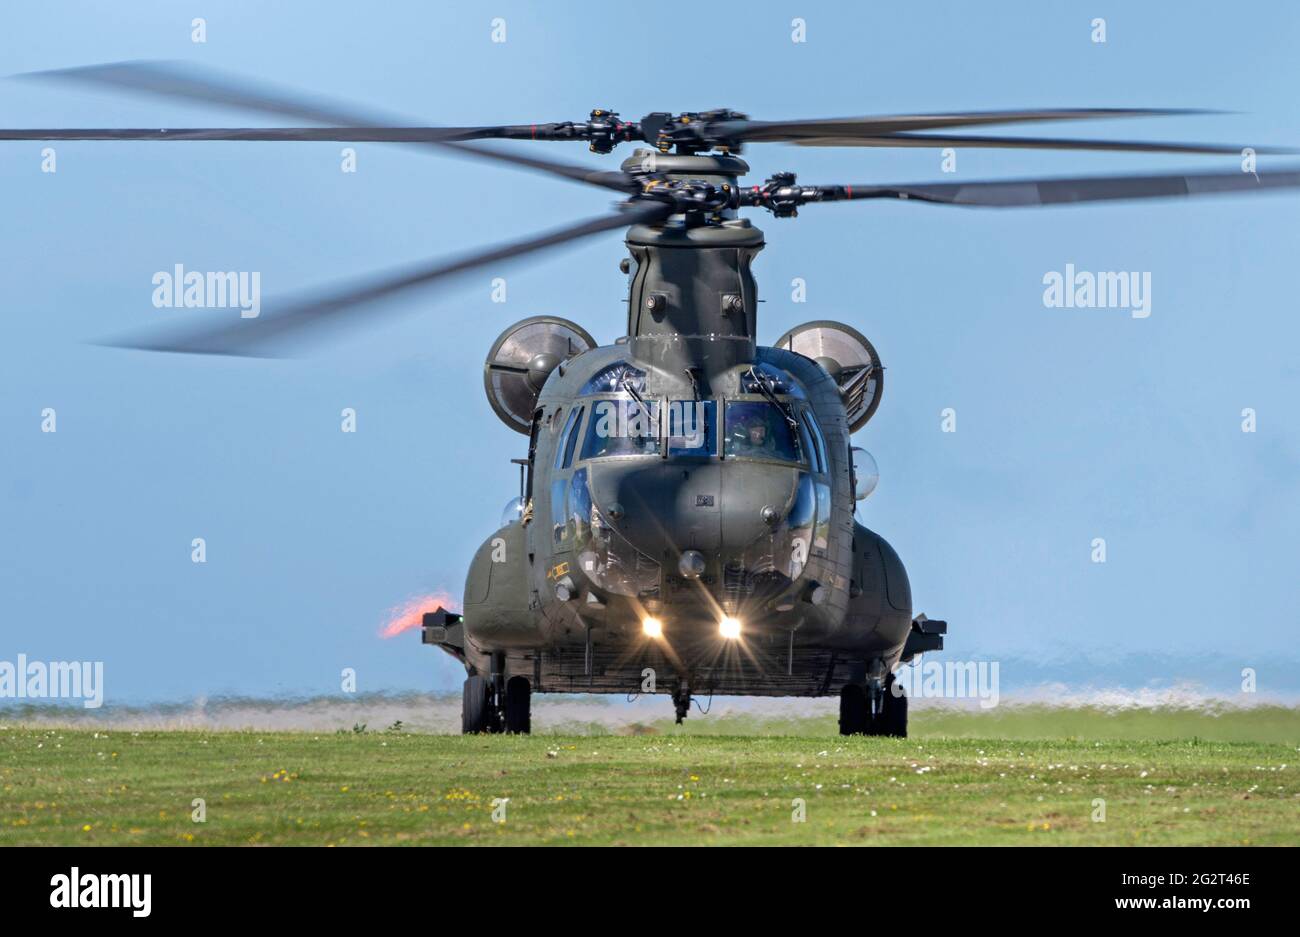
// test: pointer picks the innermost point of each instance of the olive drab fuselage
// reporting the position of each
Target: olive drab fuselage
(686, 516)
(687, 474)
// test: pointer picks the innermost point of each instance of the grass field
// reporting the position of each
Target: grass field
(663, 786)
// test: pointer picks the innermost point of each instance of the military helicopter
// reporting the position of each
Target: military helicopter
(685, 522)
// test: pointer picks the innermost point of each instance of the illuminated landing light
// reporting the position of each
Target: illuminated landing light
(652, 628)
(729, 627)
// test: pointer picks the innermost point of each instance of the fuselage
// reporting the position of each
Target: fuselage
(689, 505)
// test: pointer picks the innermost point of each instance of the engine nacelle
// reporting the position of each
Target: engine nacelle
(845, 354)
(521, 360)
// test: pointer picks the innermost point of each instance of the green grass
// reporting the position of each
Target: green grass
(123, 787)
(1216, 723)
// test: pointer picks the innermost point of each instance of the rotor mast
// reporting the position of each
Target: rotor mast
(692, 297)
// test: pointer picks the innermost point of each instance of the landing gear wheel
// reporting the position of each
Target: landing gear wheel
(855, 713)
(477, 712)
(518, 708)
(892, 720)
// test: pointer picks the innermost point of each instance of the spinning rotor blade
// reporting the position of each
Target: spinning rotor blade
(1028, 143)
(292, 134)
(899, 131)
(1020, 193)
(296, 321)
(177, 80)
(727, 129)
(604, 130)
(850, 128)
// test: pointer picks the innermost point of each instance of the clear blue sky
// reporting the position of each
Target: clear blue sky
(1072, 423)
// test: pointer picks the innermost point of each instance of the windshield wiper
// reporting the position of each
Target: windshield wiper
(636, 397)
(695, 382)
(772, 399)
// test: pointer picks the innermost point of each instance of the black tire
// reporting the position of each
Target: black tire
(476, 710)
(519, 719)
(855, 714)
(893, 721)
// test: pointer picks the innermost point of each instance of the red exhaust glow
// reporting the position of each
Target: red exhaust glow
(411, 614)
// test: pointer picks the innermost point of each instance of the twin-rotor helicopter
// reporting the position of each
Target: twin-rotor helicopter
(685, 522)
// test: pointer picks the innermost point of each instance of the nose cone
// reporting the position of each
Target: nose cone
(758, 497)
(713, 507)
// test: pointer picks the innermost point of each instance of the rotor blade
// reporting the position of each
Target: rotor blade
(193, 83)
(313, 134)
(784, 131)
(258, 337)
(177, 80)
(1030, 143)
(1020, 193)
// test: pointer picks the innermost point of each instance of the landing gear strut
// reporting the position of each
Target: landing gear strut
(682, 701)
(855, 714)
(895, 715)
(518, 717)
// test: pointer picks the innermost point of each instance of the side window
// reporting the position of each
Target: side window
(812, 442)
(806, 444)
(559, 518)
(564, 449)
(819, 441)
(572, 441)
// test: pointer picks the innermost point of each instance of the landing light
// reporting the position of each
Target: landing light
(652, 627)
(729, 627)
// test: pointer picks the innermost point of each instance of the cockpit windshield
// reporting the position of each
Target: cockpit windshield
(759, 430)
(622, 428)
(691, 428)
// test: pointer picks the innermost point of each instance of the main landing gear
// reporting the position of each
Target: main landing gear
(487, 709)
(873, 708)
(682, 701)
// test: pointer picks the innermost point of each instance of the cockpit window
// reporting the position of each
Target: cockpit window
(564, 449)
(805, 441)
(814, 442)
(571, 441)
(776, 380)
(615, 378)
(759, 430)
(692, 428)
(622, 428)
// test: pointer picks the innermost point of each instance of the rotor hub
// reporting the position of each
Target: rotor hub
(701, 189)
(691, 132)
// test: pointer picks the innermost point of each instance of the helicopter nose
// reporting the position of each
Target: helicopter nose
(686, 514)
(757, 499)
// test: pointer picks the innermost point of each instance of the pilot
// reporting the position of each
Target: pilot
(756, 439)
